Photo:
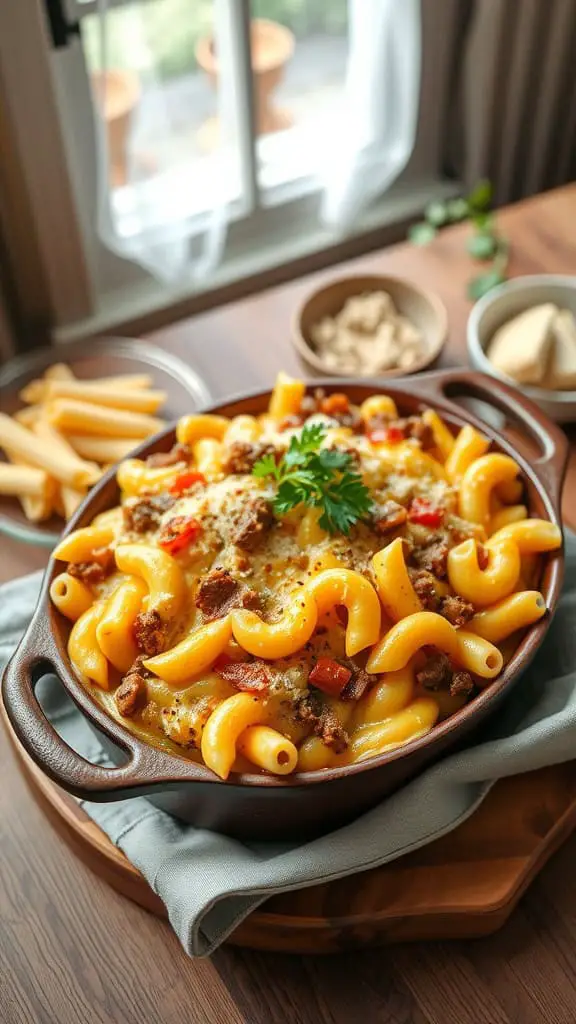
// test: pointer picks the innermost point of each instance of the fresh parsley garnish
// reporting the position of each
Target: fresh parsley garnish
(319, 478)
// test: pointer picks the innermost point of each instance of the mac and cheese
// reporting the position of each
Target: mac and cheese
(330, 606)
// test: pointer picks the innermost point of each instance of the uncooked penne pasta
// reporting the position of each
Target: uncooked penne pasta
(36, 507)
(69, 497)
(36, 390)
(39, 390)
(127, 380)
(28, 417)
(22, 480)
(102, 449)
(57, 441)
(71, 470)
(112, 396)
(71, 500)
(76, 417)
(59, 371)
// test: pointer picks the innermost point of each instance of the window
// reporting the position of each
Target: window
(298, 55)
(216, 116)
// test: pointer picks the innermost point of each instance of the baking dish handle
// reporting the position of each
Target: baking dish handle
(550, 465)
(140, 773)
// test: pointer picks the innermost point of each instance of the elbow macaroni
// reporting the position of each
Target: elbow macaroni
(83, 647)
(71, 596)
(225, 727)
(296, 649)
(484, 586)
(161, 574)
(468, 446)
(478, 482)
(115, 630)
(428, 629)
(393, 583)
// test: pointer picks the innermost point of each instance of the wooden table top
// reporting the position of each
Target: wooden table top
(73, 951)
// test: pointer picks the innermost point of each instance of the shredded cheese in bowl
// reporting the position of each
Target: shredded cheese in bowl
(368, 336)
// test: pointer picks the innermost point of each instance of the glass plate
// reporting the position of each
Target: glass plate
(104, 357)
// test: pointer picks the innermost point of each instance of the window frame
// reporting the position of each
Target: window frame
(109, 291)
(42, 241)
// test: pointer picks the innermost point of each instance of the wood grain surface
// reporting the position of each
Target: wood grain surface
(72, 950)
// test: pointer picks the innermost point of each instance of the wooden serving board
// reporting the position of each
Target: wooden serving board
(463, 885)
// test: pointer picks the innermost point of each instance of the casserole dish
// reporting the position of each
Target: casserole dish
(265, 806)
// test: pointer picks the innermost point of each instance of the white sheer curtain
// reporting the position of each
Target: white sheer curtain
(366, 145)
(374, 134)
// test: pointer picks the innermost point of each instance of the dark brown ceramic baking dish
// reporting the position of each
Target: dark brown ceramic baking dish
(263, 806)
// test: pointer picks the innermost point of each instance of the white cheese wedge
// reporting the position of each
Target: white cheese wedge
(561, 372)
(521, 347)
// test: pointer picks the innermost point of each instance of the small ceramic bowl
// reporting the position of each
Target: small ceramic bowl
(422, 308)
(505, 302)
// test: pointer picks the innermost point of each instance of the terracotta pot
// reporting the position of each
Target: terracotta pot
(260, 805)
(272, 45)
(117, 94)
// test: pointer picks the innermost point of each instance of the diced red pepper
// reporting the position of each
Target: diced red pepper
(178, 533)
(328, 675)
(185, 481)
(423, 512)
(386, 435)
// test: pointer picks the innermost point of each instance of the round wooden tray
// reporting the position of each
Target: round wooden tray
(463, 885)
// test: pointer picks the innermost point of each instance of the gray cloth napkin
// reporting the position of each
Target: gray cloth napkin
(209, 883)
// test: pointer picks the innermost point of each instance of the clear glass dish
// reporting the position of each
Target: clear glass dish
(103, 357)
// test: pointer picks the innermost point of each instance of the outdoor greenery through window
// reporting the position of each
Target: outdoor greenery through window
(299, 52)
(236, 128)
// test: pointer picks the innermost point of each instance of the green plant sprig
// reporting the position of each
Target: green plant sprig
(486, 242)
(319, 478)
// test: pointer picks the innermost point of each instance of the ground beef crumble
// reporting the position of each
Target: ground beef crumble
(461, 685)
(178, 453)
(357, 685)
(408, 426)
(424, 584)
(145, 513)
(456, 610)
(219, 591)
(438, 674)
(414, 426)
(249, 676)
(243, 455)
(323, 721)
(433, 558)
(95, 571)
(254, 521)
(150, 633)
(337, 406)
(389, 516)
(131, 694)
(453, 607)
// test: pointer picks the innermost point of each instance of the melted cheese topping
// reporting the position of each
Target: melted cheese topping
(281, 561)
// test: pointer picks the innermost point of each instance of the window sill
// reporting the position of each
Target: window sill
(148, 305)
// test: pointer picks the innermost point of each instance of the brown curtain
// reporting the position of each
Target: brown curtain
(512, 108)
(7, 333)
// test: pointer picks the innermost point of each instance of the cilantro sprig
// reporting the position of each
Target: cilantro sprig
(319, 478)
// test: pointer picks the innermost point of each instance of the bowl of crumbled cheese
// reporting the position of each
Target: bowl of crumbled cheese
(370, 326)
